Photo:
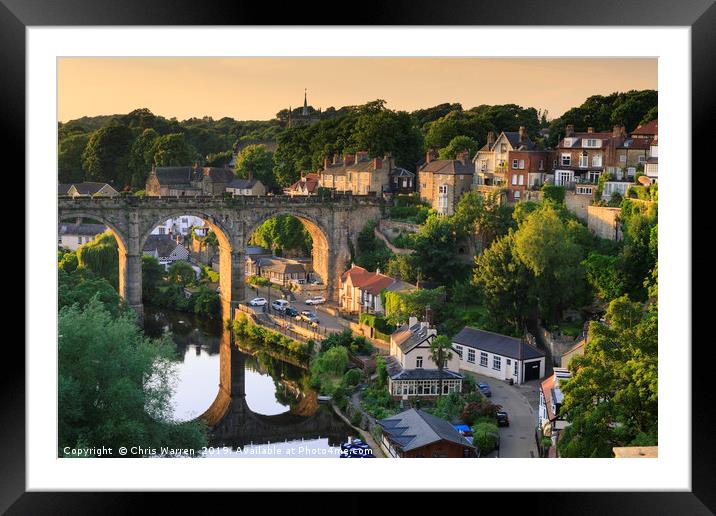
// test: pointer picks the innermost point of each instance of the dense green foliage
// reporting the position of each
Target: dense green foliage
(372, 253)
(285, 235)
(486, 436)
(612, 398)
(244, 327)
(101, 257)
(114, 386)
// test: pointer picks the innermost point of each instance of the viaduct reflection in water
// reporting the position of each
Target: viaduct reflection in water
(233, 423)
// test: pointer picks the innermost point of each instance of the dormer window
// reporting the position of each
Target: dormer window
(568, 142)
(592, 143)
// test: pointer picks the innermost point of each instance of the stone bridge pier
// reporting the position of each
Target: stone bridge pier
(333, 224)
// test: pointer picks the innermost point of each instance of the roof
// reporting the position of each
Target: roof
(364, 165)
(163, 244)
(496, 343)
(448, 166)
(425, 374)
(647, 129)
(80, 229)
(414, 428)
(401, 172)
(400, 286)
(371, 282)
(578, 137)
(187, 175)
(254, 250)
(579, 346)
(89, 188)
(308, 183)
(242, 184)
(551, 391)
(63, 188)
(280, 265)
(636, 144)
(407, 337)
(514, 139)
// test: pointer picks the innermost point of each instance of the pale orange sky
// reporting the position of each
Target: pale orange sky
(257, 88)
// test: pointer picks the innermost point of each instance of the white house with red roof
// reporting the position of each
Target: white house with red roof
(360, 290)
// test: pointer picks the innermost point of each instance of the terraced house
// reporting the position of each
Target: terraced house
(443, 182)
(188, 181)
(356, 173)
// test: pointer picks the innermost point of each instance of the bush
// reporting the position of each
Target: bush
(486, 437)
(553, 193)
(352, 377)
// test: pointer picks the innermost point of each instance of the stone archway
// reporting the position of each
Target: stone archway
(323, 249)
(231, 263)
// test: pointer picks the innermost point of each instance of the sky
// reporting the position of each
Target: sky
(257, 88)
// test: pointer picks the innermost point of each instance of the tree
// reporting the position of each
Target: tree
(182, 273)
(548, 249)
(440, 353)
(152, 275)
(207, 302)
(401, 266)
(486, 436)
(386, 131)
(106, 156)
(612, 398)
(69, 158)
(141, 156)
(256, 160)
(283, 234)
(101, 256)
(604, 274)
(399, 306)
(477, 214)
(435, 254)
(372, 253)
(114, 386)
(505, 282)
(172, 150)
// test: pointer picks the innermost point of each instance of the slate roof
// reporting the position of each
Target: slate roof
(514, 139)
(242, 184)
(407, 337)
(401, 172)
(636, 143)
(578, 137)
(280, 266)
(63, 188)
(425, 374)
(496, 343)
(413, 429)
(163, 244)
(80, 229)
(176, 175)
(448, 166)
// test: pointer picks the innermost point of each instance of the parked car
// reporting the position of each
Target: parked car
(502, 418)
(291, 312)
(485, 389)
(315, 300)
(258, 301)
(308, 316)
(279, 305)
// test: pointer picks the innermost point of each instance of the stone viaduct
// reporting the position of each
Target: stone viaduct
(333, 223)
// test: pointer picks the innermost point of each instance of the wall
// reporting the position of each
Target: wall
(556, 344)
(577, 204)
(604, 222)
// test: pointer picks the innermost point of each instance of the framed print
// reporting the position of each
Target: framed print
(250, 252)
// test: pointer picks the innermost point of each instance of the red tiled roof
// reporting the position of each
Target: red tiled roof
(647, 128)
(372, 282)
(547, 386)
(310, 183)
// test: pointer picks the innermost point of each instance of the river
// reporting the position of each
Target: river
(272, 387)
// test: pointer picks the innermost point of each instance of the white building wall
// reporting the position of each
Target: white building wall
(505, 372)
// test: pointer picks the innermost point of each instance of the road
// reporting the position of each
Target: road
(521, 403)
(325, 319)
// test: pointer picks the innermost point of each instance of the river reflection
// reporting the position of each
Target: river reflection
(269, 396)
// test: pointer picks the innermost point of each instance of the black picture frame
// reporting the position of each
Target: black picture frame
(700, 15)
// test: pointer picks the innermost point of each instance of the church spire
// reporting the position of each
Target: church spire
(305, 102)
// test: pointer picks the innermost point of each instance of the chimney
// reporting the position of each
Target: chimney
(490, 138)
(616, 131)
(377, 163)
(349, 159)
(428, 315)
(569, 131)
(388, 158)
(522, 133)
(361, 156)
(336, 159)
(412, 321)
(251, 174)
(326, 162)
(464, 156)
(430, 155)
(590, 130)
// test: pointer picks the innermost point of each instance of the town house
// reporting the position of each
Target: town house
(306, 185)
(356, 173)
(360, 289)
(188, 181)
(444, 181)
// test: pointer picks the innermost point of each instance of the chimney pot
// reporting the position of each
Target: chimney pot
(569, 131)
(490, 138)
(522, 133)
(590, 129)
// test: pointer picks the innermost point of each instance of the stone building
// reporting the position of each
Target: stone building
(72, 236)
(250, 186)
(188, 181)
(356, 173)
(443, 182)
(86, 189)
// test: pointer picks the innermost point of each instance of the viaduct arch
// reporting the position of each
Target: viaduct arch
(333, 223)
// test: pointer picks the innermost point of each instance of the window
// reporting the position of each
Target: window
(514, 179)
(483, 165)
(514, 163)
(516, 194)
(509, 361)
(622, 158)
(516, 368)
(503, 148)
(522, 179)
(522, 164)
(584, 160)
(642, 159)
(471, 355)
(554, 163)
(483, 359)
(566, 160)
(584, 190)
(597, 160)
(594, 176)
(458, 350)
(541, 164)
(419, 362)
(590, 142)
(496, 362)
